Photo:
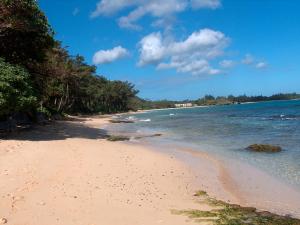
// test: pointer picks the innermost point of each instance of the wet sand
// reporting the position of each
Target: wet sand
(234, 181)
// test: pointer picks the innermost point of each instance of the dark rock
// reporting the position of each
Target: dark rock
(264, 148)
(148, 136)
(121, 121)
(57, 116)
(41, 118)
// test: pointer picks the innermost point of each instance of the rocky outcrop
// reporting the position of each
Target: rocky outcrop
(264, 148)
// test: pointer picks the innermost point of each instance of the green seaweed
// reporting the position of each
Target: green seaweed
(200, 193)
(231, 214)
(117, 138)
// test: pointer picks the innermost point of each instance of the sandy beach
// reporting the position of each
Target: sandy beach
(66, 173)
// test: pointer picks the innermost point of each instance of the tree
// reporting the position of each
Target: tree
(25, 34)
(61, 83)
(16, 94)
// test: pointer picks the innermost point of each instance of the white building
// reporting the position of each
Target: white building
(184, 105)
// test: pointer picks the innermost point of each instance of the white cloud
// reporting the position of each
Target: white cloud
(156, 8)
(261, 65)
(191, 55)
(108, 56)
(211, 4)
(151, 49)
(227, 63)
(249, 59)
(109, 7)
(252, 61)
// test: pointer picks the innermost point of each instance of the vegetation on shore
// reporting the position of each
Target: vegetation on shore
(211, 100)
(39, 78)
(223, 213)
(38, 75)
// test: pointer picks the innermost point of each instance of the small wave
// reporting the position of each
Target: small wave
(284, 117)
(171, 114)
(145, 120)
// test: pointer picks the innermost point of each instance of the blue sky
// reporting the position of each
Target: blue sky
(184, 49)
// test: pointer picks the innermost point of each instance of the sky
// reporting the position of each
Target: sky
(185, 49)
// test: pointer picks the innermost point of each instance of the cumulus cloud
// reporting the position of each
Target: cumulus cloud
(155, 8)
(227, 63)
(152, 50)
(111, 55)
(261, 65)
(191, 55)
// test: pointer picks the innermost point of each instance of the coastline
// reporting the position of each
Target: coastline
(68, 173)
(202, 106)
(229, 179)
(235, 182)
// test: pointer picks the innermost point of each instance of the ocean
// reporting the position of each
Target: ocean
(225, 132)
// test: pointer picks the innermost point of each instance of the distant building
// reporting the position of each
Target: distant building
(184, 105)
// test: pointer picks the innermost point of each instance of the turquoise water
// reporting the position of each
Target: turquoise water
(226, 131)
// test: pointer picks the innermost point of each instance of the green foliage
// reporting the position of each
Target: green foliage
(25, 34)
(142, 104)
(16, 94)
(61, 83)
(221, 100)
(68, 84)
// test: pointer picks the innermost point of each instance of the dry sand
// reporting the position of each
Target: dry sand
(67, 173)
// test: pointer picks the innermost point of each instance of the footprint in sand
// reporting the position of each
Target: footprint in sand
(3, 220)
(15, 200)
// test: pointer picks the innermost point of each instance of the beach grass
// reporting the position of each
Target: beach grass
(223, 213)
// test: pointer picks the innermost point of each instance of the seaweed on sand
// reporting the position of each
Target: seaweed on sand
(117, 138)
(223, 213)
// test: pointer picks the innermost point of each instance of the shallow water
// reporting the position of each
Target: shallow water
(225, 131)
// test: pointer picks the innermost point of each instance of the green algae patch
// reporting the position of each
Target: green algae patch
(117, 138)
(223, 213)
(200, 193)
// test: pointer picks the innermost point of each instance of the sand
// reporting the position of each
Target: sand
(67, 173)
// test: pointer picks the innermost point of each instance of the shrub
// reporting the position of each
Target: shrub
(16, 94)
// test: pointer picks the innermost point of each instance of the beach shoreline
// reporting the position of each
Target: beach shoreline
(68, 173)
(235, 182)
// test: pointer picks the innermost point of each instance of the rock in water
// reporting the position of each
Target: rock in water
(264, 148)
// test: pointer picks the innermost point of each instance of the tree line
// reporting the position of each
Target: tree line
(38, 75)
(211, 100)
(230, 99)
